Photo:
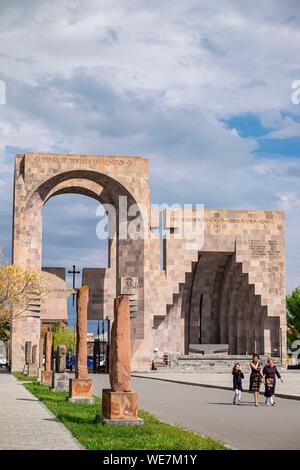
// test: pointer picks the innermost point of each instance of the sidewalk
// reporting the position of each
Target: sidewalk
(289, 389)
(25, 423)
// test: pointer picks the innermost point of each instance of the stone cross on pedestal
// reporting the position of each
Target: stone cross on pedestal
(81, 389)
(46, 378)
(119, 404)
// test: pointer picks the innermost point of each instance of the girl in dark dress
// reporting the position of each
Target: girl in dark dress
(270, 372)
(256, 377)
(237, 383)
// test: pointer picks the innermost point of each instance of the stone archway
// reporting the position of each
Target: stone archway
(235, 277)
(39, 177)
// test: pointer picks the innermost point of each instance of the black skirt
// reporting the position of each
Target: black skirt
(255, 381)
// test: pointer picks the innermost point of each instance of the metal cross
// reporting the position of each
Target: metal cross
(74, 272)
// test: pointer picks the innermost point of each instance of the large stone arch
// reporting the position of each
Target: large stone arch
(238, 272)
(39, 177)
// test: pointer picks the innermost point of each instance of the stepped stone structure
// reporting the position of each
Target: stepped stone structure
(223, 292)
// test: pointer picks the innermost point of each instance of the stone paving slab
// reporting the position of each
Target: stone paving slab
(26, 424)
(289, 389)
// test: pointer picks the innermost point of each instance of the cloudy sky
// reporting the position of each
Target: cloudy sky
(201, 87)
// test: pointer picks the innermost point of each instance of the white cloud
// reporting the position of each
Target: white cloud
(156, 79)
(286, 127)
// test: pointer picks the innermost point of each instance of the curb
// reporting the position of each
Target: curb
(217, 387)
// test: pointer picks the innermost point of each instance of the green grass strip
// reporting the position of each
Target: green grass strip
(80, 420)
(24, 378)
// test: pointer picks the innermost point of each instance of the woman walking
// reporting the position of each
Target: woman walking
(270, 372)
(256, 377)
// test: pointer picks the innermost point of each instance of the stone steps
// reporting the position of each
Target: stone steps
(215, 363)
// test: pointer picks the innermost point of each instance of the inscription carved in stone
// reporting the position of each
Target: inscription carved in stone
(216, 223)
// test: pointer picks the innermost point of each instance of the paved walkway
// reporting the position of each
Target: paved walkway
(289, 389)
(25, 423)
(210, 412)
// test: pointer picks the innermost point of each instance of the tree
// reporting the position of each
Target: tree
(18, 290)
(63, 335)
(293, 315)
(4, 329)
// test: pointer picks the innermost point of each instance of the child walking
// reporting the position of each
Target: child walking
(237, 383)
(270, 372)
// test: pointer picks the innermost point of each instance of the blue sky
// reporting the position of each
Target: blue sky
(203, 89)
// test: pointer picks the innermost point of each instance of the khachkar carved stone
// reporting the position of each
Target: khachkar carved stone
(61, 377)
(61, 358)
(30, 366)
(28, 352)
(33, 365)
(119, 404)
(41, 358)
(80, 388)
(46, 378)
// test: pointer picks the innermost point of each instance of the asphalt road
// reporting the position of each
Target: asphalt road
(210, 412)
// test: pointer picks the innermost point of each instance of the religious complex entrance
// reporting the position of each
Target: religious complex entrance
(225, 294)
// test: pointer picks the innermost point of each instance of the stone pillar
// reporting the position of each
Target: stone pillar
(81, 371)
(28, 353)
(34, 354)
(80, 388)
(119, 404)
(120, 348)
(46, 378)
(60, 381)
(61, 358)
(33, 365)
(41, 357)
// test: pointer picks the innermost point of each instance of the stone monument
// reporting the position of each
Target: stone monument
(28, 352)
(27, 356)
(60, 382)
(46, 378)
(41, 357)
(119, 404)
(80, 388)
(33, 365)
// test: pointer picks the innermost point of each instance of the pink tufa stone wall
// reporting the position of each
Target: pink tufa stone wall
(238, 272)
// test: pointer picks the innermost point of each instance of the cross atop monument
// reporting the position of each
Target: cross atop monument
(74, 272)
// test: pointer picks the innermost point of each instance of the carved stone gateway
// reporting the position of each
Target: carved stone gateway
(81, 388)
(119, 404)
(226, 287)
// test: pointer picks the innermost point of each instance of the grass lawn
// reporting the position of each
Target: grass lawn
(24, 378)
(80, 420)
